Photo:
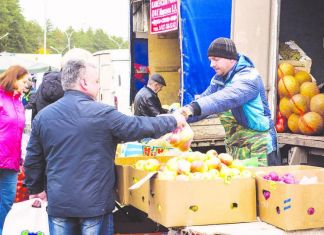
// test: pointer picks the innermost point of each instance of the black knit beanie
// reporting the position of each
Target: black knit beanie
(224, 48)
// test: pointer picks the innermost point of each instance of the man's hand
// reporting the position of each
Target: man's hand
(181, 121)
(185, 111)
(41, 196)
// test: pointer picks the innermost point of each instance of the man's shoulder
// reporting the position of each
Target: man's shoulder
(248, 73)
(145, 92)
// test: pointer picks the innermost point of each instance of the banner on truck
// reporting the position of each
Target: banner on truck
(163, 16)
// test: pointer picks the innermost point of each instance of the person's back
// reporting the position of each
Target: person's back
(78, 116)
(48, 92)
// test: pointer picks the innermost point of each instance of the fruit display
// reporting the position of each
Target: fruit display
(21, 190)
(300, 104)
(197, 166)
(289, 178)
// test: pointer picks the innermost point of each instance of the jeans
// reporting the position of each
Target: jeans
(100, 225)
(8, 183)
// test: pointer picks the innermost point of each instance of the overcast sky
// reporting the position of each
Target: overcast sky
(109, 15)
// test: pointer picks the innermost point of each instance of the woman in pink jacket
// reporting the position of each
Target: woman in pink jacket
(12, 121)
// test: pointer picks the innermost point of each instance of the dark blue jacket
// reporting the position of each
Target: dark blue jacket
(73, 142)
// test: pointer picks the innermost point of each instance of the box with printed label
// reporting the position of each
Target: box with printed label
(293, 206)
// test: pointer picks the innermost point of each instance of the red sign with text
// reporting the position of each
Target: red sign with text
(163, 15)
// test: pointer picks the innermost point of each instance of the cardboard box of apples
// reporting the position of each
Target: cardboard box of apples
(291, 197)
(194, 189)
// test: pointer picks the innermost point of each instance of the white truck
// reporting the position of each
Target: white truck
(114, 72)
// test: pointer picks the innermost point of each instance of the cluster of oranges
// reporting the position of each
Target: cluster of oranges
(300, 103)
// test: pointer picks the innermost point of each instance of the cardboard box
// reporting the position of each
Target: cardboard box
(292, 206)
(131, 160)
(304, 63)
(125, 178)
(183, 203)
(122, 184)
(281, 169)
(139, 198)
(138, 149)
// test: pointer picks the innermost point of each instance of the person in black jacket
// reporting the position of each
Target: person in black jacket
(73, 141)
(147, 102)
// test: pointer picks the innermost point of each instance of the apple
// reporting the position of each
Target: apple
(184, 147)
(235, 172)
(211, 175)
(213, 163)
(172, 164)
(193, 156)
(214, 172)
(167, 175)
(226, 158)
(225, 173)
(152, 165)
(140, 164)
(175, 139)
(237, 164)
(246, 173)
(198, 166)
(211, 153)
(196, 176)
(182, 177)
(183, 166)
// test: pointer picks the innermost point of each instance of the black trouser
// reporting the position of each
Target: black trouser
(274, 158)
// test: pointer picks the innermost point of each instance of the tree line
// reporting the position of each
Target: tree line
(18, 35)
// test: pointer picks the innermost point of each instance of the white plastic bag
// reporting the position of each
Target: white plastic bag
(24, 219)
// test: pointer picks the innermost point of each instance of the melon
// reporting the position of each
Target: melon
(302, 76)
(285, 107)
(299, 104)
(288, 86)
(311, 124)
(309, 89)
(317, 104)
(285, 69)
(293, 123)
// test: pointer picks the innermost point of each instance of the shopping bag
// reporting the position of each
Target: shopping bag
(26, 219)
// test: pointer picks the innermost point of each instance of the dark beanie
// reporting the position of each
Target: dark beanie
(224, 48)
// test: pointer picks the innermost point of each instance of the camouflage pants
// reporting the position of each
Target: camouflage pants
(243, 143)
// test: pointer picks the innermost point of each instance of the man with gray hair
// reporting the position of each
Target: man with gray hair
(73, 141)
(50, 89)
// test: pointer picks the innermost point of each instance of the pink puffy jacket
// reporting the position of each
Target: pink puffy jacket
(12, 122)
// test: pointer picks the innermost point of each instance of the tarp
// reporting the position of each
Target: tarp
(201, 23)
(33, 66)
(141, 69)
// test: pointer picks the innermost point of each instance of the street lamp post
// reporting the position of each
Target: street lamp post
(114, 41)
(45, 26)
(5, 35)
(68, 36)
(58, 52)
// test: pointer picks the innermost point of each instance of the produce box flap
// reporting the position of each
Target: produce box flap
(143, 180)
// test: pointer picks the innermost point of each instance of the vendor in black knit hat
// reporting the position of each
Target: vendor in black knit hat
(236, 93)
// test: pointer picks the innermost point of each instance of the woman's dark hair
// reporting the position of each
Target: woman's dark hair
(11, 75)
